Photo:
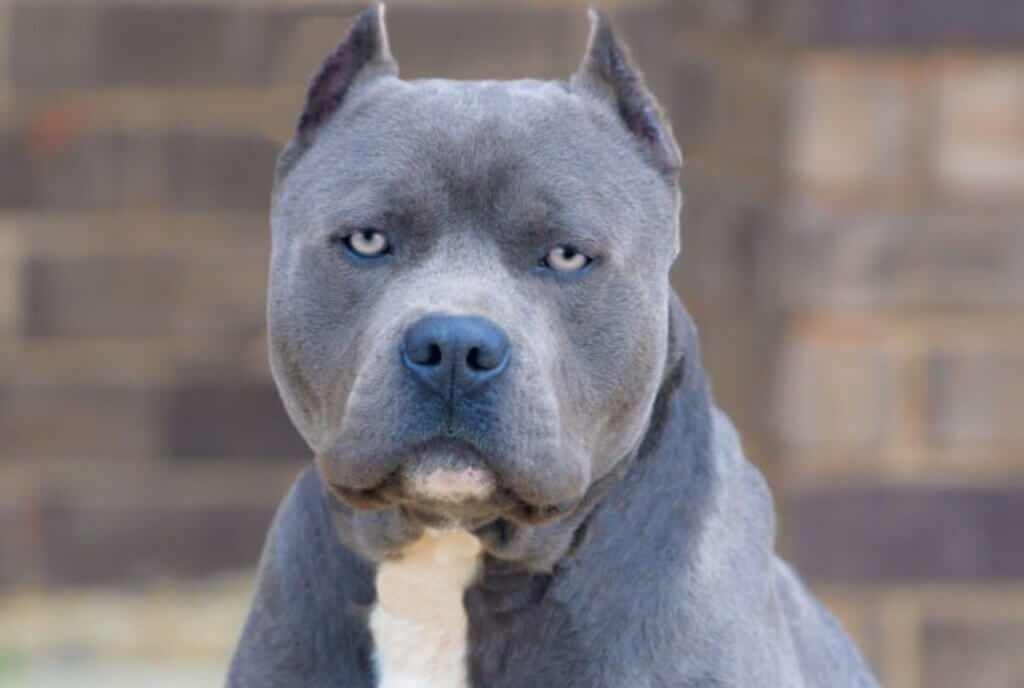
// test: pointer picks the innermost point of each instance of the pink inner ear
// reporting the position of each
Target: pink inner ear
(361, 46)
(326, 91)
(645, 125)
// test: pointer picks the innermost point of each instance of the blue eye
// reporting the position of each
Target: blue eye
(367, 243)
(565, 259)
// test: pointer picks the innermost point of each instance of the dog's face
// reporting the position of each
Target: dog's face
(468, 288)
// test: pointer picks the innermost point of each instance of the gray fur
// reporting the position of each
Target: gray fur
(655, 566)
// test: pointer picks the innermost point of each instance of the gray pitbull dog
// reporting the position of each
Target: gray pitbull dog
(521, 479)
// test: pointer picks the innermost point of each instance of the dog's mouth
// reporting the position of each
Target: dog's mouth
(447, 483)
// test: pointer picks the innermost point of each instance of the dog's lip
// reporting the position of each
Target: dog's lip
(505, 504)
(363, 499)
(501, 502)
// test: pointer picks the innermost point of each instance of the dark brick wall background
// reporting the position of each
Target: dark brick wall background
(853, 253)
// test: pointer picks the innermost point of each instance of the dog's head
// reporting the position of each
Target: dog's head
(469, 290)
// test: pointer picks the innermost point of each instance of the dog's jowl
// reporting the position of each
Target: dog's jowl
(520, 478)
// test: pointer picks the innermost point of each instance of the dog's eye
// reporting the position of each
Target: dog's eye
(367, 243)
(565, 259)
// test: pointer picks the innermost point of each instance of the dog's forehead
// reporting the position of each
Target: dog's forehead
(454, 105)
(425, 143)
(447, 127)
(461, 101)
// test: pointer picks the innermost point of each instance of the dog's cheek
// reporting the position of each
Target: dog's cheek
(296, 389)
(314, 314)
(620, 342)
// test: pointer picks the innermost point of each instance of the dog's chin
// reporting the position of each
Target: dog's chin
(447, 485)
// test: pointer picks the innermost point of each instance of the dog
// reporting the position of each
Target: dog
(520, 477)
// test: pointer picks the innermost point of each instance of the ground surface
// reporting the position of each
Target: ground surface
(156, 635)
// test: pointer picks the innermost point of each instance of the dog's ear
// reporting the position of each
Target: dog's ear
(607, 73)
(364, 54)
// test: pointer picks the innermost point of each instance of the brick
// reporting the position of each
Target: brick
(141, 361)
(759, 15)
(116, 45)
(877, 534)
(979, 139)
(851, 123)
(229, 421)
(836, 402)
(911, 23)
(973, 652)
(116, 520)
(139, 234)
(974, 399)
(488, 42)
(35, 62)
(746, 123)
(75, 423)
(85, 521)
(222, 171)
(145, 296)
(726, 104)
(824, 258)
(952, 381)
(10, 284)
(723, 235)
(53, 120)
(118, 544)
(5, 39)
(8, 547)
(188, 170)
(108, 169)
(689, 103)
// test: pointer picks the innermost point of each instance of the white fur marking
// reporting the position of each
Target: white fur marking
(454, 485)
(419, 624)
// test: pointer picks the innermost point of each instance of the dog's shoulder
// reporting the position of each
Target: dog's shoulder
(802, 630)
(307, 623)
(825, 654)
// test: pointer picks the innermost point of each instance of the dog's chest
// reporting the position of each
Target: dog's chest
(419, 624)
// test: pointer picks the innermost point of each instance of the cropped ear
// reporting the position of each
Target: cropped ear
(364, 53)
(607, 73)
(364, 49)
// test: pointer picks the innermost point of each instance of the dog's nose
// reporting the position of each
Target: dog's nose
(455, 354)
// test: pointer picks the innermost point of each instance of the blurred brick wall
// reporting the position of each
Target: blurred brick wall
(898, 270)
(853, 253)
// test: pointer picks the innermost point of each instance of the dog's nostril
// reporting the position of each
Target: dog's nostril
(429, 354)
(473, 359)
(434, 355)
(482, 359)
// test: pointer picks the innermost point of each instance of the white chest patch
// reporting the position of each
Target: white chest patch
(419, 624)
